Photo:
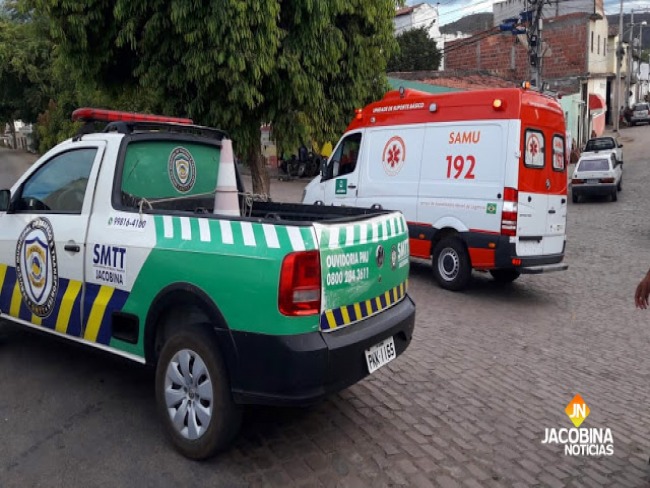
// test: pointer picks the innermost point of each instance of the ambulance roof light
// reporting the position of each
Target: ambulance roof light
(87, 114)
(525, 85)
(433, 107)
(358, 114)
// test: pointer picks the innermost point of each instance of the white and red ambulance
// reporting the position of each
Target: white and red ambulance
(480, 177)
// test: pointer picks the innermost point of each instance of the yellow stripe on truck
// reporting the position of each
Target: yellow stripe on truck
(14, 308)
(69, 297)
(97, 313)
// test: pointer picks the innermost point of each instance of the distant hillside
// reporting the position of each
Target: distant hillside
(638, 18)
(470, 24)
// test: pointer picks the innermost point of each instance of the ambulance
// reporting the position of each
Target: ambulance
(480, 177)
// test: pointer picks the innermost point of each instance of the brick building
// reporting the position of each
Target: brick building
(574, 63)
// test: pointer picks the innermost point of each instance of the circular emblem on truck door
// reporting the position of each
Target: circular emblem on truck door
(37, 271)
(394, 155)
(181, 169)
(379, 256)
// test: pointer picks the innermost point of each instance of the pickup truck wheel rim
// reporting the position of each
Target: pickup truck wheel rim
(188, 394)
(448, 264)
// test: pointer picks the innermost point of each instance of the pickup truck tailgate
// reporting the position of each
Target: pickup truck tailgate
(364, 268)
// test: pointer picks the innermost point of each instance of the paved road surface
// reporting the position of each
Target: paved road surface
(467, 405)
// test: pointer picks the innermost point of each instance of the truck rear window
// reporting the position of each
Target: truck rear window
(164, 171)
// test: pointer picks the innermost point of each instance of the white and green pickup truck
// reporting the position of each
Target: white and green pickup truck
(132, 240)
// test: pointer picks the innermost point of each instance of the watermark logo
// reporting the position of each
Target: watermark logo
(577, 410)
(580, 441)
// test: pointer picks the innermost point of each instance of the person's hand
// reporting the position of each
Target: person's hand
(642, 292)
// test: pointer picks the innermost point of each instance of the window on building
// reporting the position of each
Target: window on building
(592, 42)
(598, 45)
(605, 47)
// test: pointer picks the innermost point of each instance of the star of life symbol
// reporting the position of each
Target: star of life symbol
(534, 150)
(394, 155)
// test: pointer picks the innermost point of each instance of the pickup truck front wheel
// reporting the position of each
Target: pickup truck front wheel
(193, 394)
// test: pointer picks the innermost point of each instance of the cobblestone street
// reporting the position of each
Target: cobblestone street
(467, 405)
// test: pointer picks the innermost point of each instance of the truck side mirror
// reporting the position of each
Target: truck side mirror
(323, 166)
(5, 200)
(620, 145)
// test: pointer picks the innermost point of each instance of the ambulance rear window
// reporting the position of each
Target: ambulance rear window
(534, 149)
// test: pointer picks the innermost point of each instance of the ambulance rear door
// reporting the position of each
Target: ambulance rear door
(541, 220)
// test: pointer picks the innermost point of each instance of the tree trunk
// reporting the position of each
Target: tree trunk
(12, 130)
(259, 172)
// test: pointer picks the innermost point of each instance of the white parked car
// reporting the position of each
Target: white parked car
(597, 174)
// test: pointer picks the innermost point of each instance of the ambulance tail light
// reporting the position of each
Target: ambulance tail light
(100, 115)
(509, 213)
(300, 284)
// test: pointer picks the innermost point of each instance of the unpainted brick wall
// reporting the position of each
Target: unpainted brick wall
(565, 37)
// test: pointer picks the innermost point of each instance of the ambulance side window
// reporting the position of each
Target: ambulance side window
(59, 186)
(344, 159)
(534, 150)
(558, 153)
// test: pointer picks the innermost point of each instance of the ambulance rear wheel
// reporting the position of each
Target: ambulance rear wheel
(504, 275)
(193, 393)
(451, 265)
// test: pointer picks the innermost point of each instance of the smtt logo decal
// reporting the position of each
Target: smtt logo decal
(394, 155)
(341, 186)
(36, 267)
(181, 169)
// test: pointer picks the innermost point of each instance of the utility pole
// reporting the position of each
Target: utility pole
(628, 84)
(535, 48)
(619, 56)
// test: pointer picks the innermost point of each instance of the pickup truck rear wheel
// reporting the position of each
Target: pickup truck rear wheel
(451, 265)
(504, 275)
(193, 393)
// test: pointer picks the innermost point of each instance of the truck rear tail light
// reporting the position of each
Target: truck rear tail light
(300, 284)
(607, 180)
(577, 181)
(509, 213)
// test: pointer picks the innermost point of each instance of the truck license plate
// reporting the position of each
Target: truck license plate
(380, 354)
(593, 181)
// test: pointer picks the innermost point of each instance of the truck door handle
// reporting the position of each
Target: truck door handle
(551, 211)
(352, 187)
(72, 247)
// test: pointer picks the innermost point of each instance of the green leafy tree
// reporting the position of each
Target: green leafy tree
(302, 66)
(417, 52)
(25, 62)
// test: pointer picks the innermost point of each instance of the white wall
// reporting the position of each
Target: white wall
(423, 15)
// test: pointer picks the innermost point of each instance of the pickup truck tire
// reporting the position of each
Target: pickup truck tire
(614, 196)
(504, 275)
(193, 393)
(451, 265)
(619, 187)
